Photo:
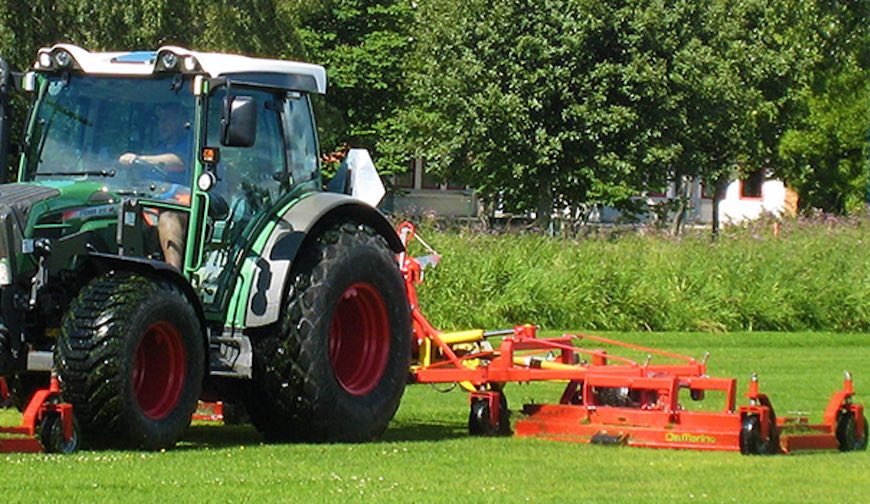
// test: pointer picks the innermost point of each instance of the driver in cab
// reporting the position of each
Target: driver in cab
(171, 159)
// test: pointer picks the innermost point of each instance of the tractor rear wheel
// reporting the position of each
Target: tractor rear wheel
(336, 367)
(130, 358)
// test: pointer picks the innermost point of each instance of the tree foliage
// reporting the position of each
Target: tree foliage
(825, 152)
(364, 45)
(542, 104)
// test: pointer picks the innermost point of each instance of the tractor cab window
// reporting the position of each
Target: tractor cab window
(134, 136)
(301, 142)
(249, 178)
(249, 183)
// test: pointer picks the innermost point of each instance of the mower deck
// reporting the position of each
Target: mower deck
(610, 398)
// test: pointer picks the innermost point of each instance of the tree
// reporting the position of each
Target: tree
(824, 154)
(538, 104)
(563, 103)
(364, 46)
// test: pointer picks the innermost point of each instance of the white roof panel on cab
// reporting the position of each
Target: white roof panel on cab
(212, 64)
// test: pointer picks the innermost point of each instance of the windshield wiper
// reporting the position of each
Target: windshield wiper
(132, 192)
(99, 173)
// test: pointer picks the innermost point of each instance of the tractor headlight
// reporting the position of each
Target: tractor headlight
(58, 59)
(190, 64)
(44, 60)
(63, 59)
(168, 61)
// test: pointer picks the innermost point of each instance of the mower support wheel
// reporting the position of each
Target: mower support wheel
(751, 442)
(480, 422)
(847, 432)
(52, 438)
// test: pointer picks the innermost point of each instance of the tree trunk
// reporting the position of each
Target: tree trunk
(544, 207)
(719, 194)
(682, 204)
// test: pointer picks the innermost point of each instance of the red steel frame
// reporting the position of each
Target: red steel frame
(646, 411)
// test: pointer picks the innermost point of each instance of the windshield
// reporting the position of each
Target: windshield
(133, 135)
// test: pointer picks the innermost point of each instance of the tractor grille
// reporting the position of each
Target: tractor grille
(15, 203)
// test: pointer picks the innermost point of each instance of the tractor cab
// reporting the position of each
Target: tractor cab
(214, 140)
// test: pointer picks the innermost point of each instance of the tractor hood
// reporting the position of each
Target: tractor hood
(48, 210)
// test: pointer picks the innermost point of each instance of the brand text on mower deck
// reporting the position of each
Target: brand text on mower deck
(169, 239)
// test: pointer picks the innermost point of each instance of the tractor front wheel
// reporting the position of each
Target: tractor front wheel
(130, 358)
(336, 368)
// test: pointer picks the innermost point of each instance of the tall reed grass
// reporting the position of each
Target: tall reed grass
(813, 275)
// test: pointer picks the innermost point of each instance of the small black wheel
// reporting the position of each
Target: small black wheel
(847, 432)
(52, 438)
(480, 418)
(751, 442)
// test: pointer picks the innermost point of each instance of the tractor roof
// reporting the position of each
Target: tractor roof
(168, 58)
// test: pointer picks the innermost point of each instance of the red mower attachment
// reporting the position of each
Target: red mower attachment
(47, 425)
(610, 398)
(208, 411)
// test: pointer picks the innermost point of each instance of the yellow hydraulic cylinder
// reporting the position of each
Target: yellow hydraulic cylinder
(456, 337)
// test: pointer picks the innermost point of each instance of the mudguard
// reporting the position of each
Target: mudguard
(301, 222)
(105, 263)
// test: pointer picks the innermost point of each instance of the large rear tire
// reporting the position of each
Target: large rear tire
(336, 368)
(130, 359)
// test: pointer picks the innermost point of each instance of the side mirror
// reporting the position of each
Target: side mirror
(28, 82)
(239, 123)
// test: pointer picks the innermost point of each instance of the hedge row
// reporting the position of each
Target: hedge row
(813, 275)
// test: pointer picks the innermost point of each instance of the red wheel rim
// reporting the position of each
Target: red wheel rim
(359, 339)
(159, 370)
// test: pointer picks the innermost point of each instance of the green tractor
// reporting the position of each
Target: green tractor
(169, 240)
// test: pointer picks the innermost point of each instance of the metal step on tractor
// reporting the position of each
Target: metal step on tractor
(169, 239)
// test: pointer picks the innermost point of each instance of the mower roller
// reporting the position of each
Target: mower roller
(610, 398)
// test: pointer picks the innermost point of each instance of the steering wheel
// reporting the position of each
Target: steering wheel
(155, 171)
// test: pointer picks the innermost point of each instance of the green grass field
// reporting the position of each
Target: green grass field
(426, 454)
